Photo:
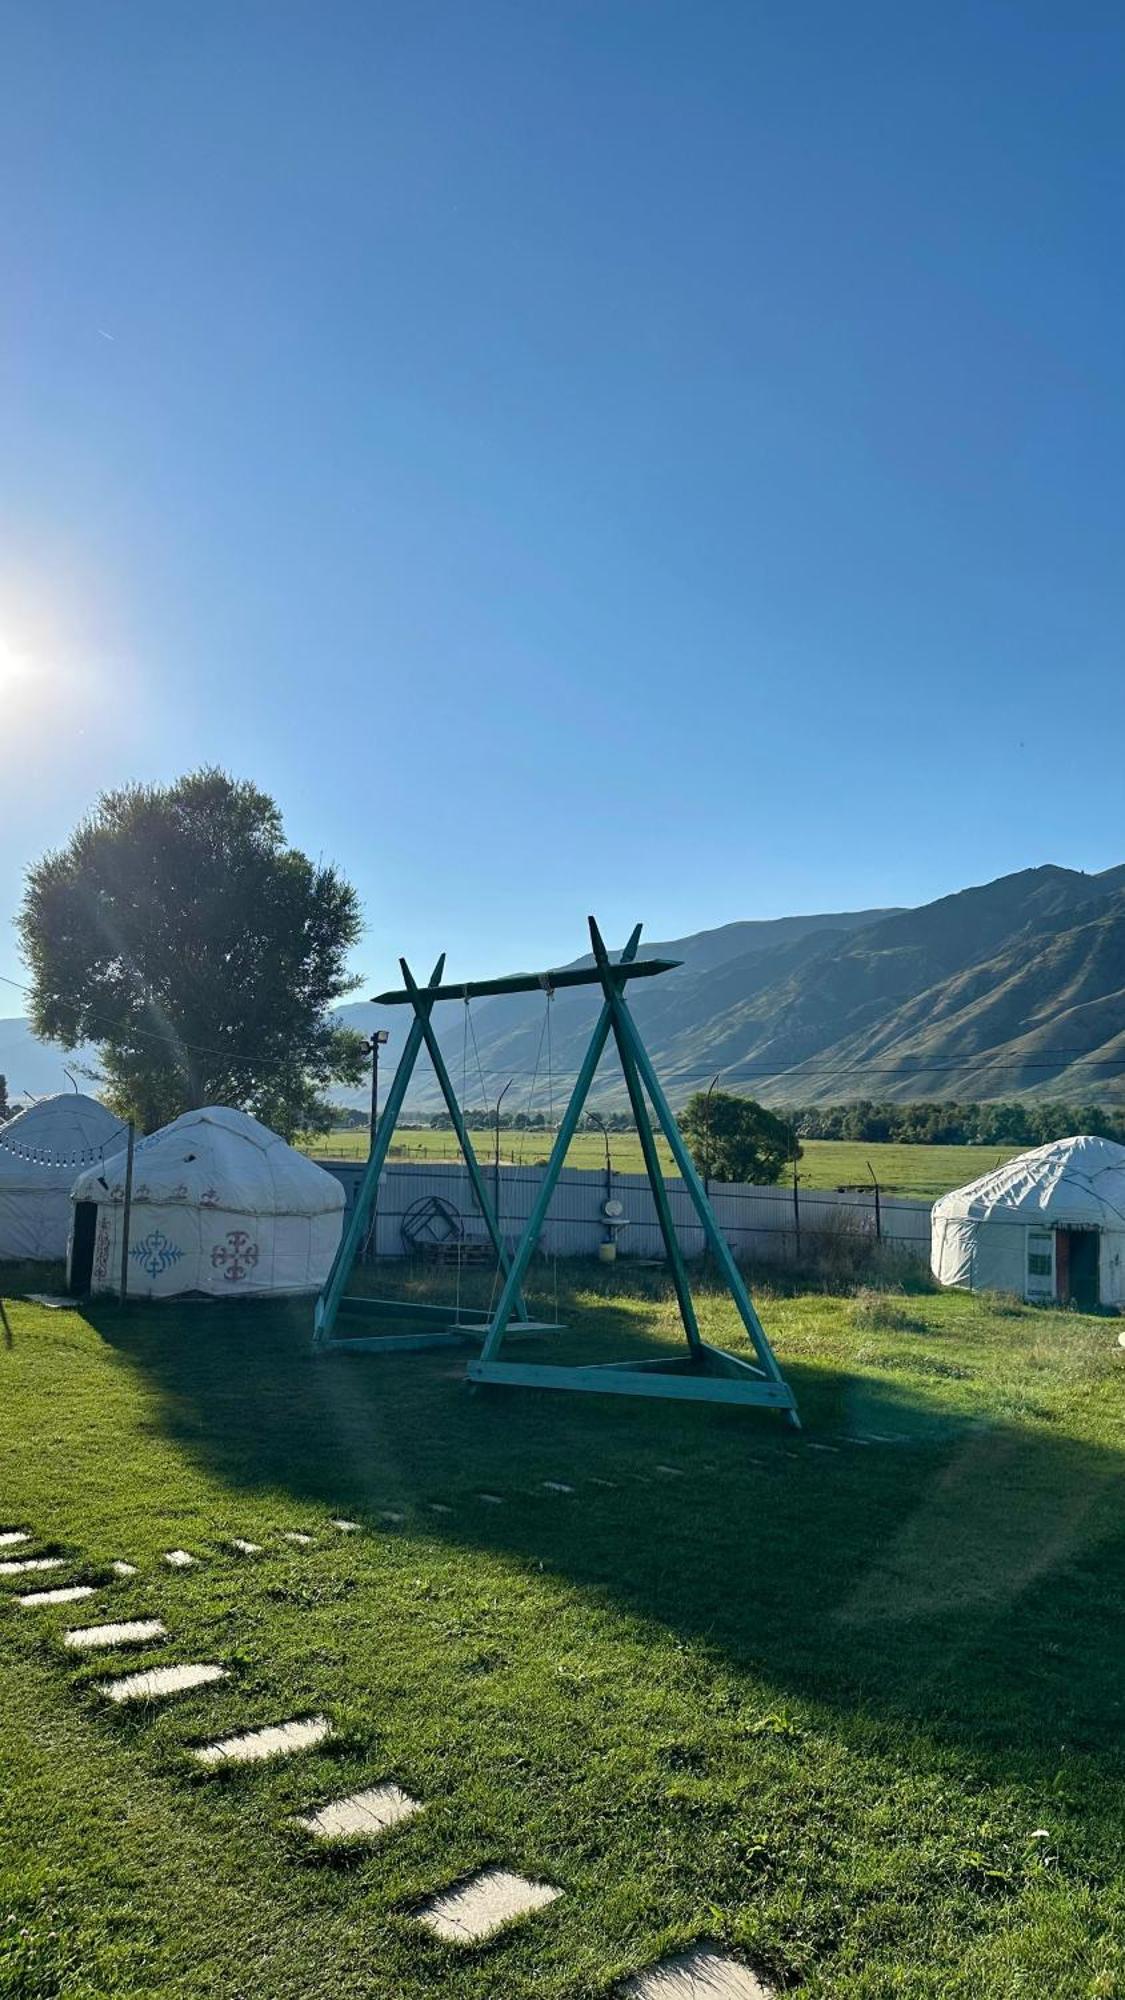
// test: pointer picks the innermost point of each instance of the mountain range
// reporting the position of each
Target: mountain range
(1015, 988)
(1011, 989)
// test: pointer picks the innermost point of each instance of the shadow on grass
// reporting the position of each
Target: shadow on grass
(962, 1575)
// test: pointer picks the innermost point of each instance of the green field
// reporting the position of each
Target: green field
(845, 1702)
(920, 1171)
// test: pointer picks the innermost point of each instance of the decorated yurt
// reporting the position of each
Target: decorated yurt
(220, 1205)
(41, 1151)
(1048, 1225)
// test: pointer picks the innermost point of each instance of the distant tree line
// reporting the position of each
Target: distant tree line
(952, 1124)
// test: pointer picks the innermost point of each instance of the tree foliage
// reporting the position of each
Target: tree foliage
(180, 934)
(995, 1123)
(732, 1138)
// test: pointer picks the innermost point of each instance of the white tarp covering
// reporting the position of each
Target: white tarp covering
(220, 1205)
(982, 1233)
(41, 1150)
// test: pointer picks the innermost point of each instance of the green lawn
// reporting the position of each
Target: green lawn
(919, 1171)
(849, 1701)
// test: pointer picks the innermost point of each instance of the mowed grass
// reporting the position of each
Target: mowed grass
(847, 1701)
(921, 1172)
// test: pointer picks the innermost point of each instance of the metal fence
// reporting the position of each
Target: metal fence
(758, 1222)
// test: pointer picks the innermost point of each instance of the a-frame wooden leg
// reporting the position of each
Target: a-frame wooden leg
(352, 1240)
(495, 1336)
(476, 1178)
(663, 1206)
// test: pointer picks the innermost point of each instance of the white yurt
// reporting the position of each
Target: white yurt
(41, 1150)
(220, 1205)
(1049, 1225)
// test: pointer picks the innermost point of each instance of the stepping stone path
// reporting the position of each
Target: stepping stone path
(179, 1559)
(124, 1569)
(245, 1548)
(361, 1815)
(156, 1683)
(302, 1541)
(484, 1904)
(26, 1564)
(70, 1595)
(698, 1975)
(347, 1527)
(281, 1739)
(12, 1538)
(556, 1486)
(134, 1632)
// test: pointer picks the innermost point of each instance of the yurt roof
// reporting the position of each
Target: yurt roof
(46, 1145)
(216, 1158)
(1077, 1182)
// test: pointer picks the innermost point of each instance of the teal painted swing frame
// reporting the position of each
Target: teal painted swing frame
(704, 1373)
(469, 1323)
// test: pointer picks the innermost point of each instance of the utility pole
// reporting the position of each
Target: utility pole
(595, 1118)
(127, 1211)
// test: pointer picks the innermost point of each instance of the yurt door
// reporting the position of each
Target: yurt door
(1040, 1264)
(82, 1247)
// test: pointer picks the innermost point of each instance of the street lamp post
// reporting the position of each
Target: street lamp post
(496, 1147)
(379, 1039)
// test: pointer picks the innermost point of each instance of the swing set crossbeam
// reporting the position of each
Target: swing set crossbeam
(525, 982)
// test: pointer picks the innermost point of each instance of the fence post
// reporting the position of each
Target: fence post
(796, 1217)
(878, 1211)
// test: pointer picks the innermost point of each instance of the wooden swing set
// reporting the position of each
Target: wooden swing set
(702, 1373)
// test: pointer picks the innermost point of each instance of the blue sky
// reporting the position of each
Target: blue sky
(664, 459)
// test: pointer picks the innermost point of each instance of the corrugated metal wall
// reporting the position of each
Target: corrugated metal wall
(757, 1222)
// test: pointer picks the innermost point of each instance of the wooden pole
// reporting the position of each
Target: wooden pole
(127, 1211)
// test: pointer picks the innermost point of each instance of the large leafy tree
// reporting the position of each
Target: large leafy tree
(732, 1138)
(180, 934)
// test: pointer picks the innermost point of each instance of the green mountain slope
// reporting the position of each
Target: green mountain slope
(1012, 987)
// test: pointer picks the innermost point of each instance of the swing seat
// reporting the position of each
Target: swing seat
(468, 1329)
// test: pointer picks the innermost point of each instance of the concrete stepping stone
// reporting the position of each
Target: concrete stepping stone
(347, 1527)
(157, 1683)
(131, 1632)
(439, 1507)
(124, 1569)
(297, 1536)
(12, 1538)
(245, 1548)
(671, 1471)
(491, 1499)
(179, 1559)
(393, 1520)
(484, 1904)
(26, 1564)
(70, 1595)
(280, 1739)
(702, 1974)
(361, 1815)
(556, 1486)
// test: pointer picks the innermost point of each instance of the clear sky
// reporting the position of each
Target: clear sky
(664, 457)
